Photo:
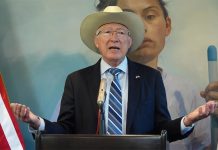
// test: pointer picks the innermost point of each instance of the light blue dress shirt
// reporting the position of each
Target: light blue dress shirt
(123, 79)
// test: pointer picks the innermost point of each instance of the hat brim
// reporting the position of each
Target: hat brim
(91, 23)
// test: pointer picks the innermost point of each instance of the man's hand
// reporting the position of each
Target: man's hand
(211, 92)
(23, 113)
(200, 113)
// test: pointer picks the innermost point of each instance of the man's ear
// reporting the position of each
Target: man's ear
(129, 42)
(168, 25)
(96, 42)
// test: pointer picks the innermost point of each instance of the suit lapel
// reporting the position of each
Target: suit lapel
(94, 76)
(133, 93)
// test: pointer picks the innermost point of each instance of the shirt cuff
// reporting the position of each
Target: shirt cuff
(185, 129)
(41, 126)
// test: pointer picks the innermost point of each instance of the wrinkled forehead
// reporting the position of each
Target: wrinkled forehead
(113, 26)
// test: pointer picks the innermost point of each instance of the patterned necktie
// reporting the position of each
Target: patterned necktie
(115, 105)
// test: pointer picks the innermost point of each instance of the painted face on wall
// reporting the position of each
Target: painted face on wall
(157, 27)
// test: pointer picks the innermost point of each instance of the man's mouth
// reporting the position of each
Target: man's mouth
(114, 47)
(146, 40)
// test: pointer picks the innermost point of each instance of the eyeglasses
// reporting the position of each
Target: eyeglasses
(109, 33)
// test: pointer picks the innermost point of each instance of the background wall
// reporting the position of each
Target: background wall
(194, 28)
(40, 44)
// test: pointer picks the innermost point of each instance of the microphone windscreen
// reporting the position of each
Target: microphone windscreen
(102, 92)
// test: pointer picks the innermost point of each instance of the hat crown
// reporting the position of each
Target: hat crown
(113, 9)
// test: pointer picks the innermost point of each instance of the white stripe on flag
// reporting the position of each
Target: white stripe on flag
(8, 127)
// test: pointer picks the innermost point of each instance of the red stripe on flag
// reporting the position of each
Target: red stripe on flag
(5, 98)
(4, 143)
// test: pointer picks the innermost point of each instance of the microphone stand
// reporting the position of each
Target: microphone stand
(102, 120)
(100, 102)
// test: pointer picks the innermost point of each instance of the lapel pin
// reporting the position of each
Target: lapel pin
(137, 77)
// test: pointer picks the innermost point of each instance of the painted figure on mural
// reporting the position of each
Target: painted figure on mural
(182, 96)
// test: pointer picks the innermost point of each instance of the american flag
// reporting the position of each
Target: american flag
(10, 134)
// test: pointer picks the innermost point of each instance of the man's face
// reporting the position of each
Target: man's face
(113, 42)
(156, 28)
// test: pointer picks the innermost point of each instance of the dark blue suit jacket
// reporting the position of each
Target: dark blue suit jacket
(147, 106)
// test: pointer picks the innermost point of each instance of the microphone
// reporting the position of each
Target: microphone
(101, 92)
(212, 63)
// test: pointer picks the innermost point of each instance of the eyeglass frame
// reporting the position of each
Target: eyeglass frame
(108, 33)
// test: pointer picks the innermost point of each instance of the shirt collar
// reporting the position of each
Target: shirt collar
(163, 72)
(122, 66)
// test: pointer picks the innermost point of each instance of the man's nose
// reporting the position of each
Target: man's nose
(114, 36)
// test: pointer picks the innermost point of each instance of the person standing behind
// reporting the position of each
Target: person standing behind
(182, 96)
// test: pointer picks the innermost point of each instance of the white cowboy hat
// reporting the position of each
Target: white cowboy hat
(112, 14)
